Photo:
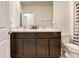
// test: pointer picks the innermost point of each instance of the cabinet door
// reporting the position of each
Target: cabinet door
(55, 47)
(16, 48)
(42, 48)
(28, 47)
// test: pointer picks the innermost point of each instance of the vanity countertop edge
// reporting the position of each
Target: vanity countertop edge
(35, 30)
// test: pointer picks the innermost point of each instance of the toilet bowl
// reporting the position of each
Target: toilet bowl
(72, 50)
(65, 40)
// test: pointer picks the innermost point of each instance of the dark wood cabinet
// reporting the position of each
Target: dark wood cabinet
(55, 48)
(42, 48)
(28, 47)
(36, 44)
(16, 47)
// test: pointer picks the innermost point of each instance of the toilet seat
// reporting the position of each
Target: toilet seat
(73, 47)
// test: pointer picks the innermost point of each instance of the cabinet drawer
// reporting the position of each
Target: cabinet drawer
(42, 35)
(56, 35)
(49, 35)
(23, 35)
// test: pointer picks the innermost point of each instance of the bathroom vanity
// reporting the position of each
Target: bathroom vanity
(35, 43)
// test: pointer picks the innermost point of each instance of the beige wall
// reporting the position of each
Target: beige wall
(61, 16)
(43, 13)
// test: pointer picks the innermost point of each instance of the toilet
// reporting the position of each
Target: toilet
(71, 50)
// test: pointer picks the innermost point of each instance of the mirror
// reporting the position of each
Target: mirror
(28, 20)
(37, 13)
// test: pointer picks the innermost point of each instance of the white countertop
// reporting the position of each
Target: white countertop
(35, 30)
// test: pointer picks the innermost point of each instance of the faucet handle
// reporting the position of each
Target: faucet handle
(34, 27)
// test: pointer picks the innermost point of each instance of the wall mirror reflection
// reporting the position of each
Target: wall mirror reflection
(36, 14)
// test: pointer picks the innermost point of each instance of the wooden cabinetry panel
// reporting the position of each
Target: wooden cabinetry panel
(23, 35)
(48, 35)
(16, 48)
(28, 47)
(42, 48)
(38, 44)
(56, 35)
(55, 47)
(44, 35)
